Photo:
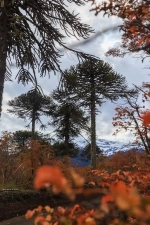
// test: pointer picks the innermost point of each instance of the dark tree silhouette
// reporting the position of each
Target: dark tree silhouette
(59, 148)
(32, 37)
(91, 83)
(68, 118)
(22, 137)
(32, 106)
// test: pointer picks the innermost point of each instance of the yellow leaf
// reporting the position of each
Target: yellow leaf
(48, 218)
(122, 203)
(48, 209)
(90, 221)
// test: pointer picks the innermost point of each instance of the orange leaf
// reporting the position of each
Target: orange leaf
(118, 187)
(146, 118)
(29, 214)
(133, 29)
(75, 207)
(91, 183)
(49, 175)
(107, 198)
(48, 218)
(122, 203)
(78, 180)
(39, 219)
(39, 208)
(148, 176)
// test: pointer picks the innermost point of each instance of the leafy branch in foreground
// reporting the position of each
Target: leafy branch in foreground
(119, 199)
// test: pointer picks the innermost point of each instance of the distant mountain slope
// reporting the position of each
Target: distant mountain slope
(108, 148)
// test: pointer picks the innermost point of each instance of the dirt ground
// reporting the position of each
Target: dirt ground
(16, 203)
(13, 205)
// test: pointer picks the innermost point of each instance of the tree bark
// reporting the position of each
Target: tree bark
(3, 50)
(93, 126)
(67, 134)
(141, 136)
(33, 124)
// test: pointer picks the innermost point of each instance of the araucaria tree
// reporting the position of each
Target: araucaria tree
(68, 119)
(32, 37)
(32, 106)
(93, 82)
(23, 137)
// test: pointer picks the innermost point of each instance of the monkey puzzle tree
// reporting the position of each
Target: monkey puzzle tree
(91, 83)
(86, 153)
(68, 119)
(32, 37)
(32, 105)
(22, 137)
(59, 148)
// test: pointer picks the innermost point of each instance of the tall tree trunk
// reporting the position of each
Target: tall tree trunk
(67, 134)
(33, 124)
(33, 138)
(93, 126)
(3, 50)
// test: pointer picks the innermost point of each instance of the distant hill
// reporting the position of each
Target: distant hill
(108, 147)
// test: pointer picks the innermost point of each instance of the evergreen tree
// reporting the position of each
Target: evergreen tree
(92, 82)
(68, 118)
(86, 153)
(32, 36)
(60, 150)
(32, 105)
(22, 137)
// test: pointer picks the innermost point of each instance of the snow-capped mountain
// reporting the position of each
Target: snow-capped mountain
(108, 147)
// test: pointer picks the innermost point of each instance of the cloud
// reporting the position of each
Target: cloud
(131, 68)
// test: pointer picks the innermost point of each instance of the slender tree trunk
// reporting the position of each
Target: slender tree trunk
(33, 138)
(141, 136)
(147, 141)
(33, 124)
(3, 50)
(93, 126)
(66, 134)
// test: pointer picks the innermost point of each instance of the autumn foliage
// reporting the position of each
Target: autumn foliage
(135, 28)
(134, 116)
(124, 200)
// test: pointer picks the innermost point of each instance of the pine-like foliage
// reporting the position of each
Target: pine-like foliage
(68, 119)
(32, 36)
(32, 105)
(92, 82)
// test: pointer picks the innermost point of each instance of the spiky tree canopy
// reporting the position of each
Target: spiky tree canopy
(97, 76)
(91, 83)
(60, 149)
(22, 137)
(68, 118)
(31, 106)
(32, 34)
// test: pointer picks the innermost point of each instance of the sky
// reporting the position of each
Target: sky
(129, 66)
